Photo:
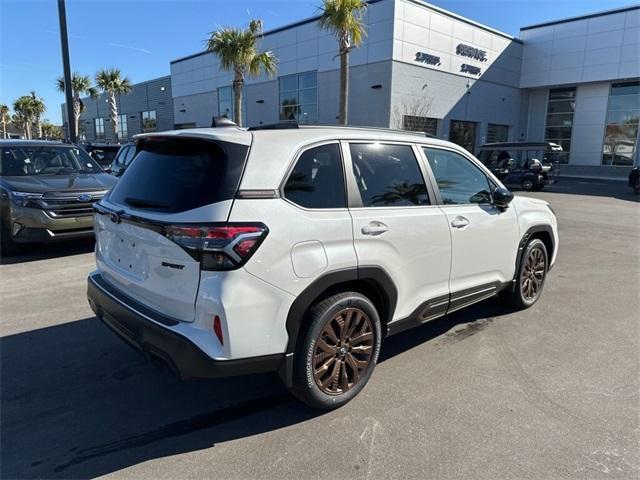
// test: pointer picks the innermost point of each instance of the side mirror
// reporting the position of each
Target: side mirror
(502, 197)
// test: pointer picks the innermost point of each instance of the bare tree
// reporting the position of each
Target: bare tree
(409, 112)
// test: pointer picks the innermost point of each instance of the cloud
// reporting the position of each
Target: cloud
(130, 47)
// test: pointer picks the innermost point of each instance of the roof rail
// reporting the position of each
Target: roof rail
(295, 125)
(275, 126)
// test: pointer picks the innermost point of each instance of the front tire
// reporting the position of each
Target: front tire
(532, 273)
(337, 351)
(527, 184)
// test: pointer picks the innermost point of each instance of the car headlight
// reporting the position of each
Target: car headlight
(23, 199)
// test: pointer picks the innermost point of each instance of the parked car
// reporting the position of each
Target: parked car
(122, 159)
(224, 251)
(46, 192)
(103, 153)
(527, 165)
(634, 179)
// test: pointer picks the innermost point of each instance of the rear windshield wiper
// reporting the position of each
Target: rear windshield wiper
(142, 203)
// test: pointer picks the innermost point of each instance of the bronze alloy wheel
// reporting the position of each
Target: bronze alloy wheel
(343, 351)
(532, 276)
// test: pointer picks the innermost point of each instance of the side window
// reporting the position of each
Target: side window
(122, 154)
(459, 180)
(317, 180)
(388, 175)
(129, 156)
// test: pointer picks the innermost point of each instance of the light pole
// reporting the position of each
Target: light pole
(68, 93)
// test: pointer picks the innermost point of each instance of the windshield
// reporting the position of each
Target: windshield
(45, 160)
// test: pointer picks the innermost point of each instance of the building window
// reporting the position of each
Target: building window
(149, 121)
(299, 98)
(463, 134)
(98, 123)
(560, 108)
(420, 124)
(621, 132)
(123, 128)
(497, 133)
(225, 102)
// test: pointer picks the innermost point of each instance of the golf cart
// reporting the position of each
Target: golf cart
(528, 165)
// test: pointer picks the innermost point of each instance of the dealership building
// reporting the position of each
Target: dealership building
(575, 82)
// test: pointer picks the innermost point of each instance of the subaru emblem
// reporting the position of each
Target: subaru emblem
(84, 197)
(115, 218)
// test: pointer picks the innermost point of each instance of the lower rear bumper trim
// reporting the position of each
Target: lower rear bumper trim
(183, 357)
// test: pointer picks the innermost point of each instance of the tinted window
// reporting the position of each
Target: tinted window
(45, 160)
(388, 175)
(459, 181)
(317, 180)
(130, 154)
(119, 160)
(180, 174)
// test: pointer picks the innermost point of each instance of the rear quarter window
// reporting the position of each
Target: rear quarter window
(175, 175)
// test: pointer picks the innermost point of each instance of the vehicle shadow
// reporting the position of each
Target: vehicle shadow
(34, 252)
(76, 402)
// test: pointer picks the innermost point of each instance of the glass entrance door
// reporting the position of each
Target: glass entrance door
(463, 134)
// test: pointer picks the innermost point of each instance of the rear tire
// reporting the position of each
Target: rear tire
(337, 350)
(532, 272)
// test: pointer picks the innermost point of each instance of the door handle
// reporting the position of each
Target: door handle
(459, 222)
(374, 228)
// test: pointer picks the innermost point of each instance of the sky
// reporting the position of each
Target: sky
(141, 37)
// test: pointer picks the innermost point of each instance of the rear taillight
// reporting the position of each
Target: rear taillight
(218, 247)
(217, 328)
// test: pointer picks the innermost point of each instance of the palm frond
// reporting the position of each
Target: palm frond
(344, 18)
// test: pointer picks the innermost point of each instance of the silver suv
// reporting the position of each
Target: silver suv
(46, 192)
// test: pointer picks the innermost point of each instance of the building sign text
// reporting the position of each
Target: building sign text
(466, 68)
(423, 57)
(471, 52)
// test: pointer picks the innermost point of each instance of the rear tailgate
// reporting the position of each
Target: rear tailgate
(174, 181)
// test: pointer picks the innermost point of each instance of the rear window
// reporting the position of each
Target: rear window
(175, 175)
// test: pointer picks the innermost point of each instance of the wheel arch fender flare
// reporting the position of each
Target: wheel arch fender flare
(531, 232)
(378, 279)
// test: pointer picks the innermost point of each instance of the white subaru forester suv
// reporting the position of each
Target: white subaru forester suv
(227, 251)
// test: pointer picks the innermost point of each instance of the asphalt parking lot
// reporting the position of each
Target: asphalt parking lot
(551, 392)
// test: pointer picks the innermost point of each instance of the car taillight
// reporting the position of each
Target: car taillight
(217, 328)
(218, 247)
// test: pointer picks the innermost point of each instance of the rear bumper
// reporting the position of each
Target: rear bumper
(150, 333)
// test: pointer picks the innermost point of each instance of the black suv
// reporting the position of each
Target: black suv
(103, 153)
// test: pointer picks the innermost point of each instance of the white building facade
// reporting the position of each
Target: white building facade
(582, 79)
(573, 82)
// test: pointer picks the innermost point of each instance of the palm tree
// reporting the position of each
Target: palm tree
(344, 19)
(4, 119)
(237, 50)
(38, 108)
(80, 85)
(111, 82)
(23, 114)
(49, 130)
